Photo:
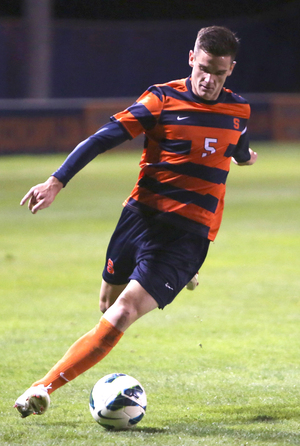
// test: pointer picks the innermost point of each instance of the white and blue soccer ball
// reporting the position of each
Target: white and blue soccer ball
(118, 401)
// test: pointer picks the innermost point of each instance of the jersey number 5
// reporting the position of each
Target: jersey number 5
(207, 146)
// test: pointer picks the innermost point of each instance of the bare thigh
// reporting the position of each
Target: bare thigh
(109, 294)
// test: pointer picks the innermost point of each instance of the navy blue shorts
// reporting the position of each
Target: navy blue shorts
(161, 257)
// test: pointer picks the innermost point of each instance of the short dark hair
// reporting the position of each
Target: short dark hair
(218, 41)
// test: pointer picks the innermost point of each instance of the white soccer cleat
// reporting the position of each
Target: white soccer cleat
(34, 401)
(193, 283)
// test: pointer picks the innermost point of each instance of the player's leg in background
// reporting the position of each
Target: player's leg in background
(109, 294)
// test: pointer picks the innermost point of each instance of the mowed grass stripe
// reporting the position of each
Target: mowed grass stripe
(220, 365)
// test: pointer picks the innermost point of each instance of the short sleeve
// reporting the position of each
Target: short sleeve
(144, 114)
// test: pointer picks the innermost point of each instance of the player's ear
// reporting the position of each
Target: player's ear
(191, 58)
(232, 67)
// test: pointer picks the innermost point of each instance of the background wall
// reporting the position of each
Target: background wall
(98, 67)
(122, 58)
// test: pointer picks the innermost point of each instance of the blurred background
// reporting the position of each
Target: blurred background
(67, 65)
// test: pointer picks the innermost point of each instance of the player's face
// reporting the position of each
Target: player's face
(209, 73)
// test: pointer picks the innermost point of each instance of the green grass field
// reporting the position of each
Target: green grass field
(220, 365)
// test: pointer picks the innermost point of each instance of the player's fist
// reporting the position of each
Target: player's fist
(253, 158)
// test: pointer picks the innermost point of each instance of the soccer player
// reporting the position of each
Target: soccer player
(193, 128)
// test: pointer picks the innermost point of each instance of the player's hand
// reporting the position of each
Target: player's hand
(253, 158)
(42, 195)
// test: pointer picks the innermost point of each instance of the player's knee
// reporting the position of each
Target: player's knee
(104, 304)
(125, 308)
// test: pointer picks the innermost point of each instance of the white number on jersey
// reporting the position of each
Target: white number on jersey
(207, 146)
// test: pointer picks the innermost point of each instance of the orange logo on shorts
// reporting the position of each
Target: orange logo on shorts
(110, 267)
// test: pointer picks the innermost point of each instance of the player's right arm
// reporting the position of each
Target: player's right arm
(141, 116)
(42, 195)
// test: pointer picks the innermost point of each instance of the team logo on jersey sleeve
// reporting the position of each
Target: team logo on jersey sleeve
(236, 123)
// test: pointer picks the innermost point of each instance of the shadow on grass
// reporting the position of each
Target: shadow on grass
(261, 424)
(79, 424)
(238, 432)
(149, 430)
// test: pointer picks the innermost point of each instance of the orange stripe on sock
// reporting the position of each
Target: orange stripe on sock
(83, 354)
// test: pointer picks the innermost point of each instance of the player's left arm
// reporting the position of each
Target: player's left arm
(243, 155)
(253, 158)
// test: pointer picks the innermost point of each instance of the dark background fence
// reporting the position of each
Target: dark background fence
(90, 69)
(122, 58)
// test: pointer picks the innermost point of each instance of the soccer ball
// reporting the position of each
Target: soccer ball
(118, 401)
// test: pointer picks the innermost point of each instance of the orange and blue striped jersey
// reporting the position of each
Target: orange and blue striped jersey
(188, 147)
